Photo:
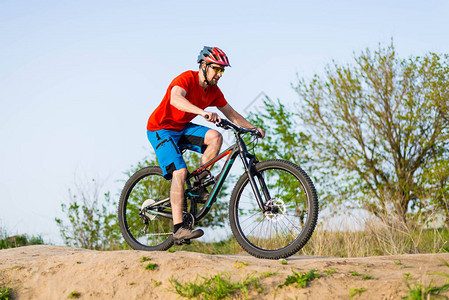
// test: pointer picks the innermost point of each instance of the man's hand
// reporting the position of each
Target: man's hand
(211, 117)
(261, 131)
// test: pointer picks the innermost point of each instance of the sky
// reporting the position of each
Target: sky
(79, 79)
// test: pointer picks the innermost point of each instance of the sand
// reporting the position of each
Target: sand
(53, 272)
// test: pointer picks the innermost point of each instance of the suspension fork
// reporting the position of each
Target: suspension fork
(250, 168)
(252, 164)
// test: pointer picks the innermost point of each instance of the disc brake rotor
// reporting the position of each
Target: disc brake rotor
(277, 211)
(145, 204)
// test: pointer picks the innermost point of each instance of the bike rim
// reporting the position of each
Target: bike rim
(150, 187)
(275, 230)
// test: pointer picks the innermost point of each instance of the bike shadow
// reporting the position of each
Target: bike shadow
(291, 258)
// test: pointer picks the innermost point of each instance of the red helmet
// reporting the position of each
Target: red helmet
(213, 55)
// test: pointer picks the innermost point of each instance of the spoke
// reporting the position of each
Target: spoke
(259, 236)
(277, 232)
(282, 235)
(256, 226)
(256, 213)
(292, 233)
(249, 196)
(299, 229)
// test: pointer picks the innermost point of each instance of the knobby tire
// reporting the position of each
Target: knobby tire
(285, 231)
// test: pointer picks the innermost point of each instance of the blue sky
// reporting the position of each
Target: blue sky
(78, 79)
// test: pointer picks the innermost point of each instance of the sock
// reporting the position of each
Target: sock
(176, 227)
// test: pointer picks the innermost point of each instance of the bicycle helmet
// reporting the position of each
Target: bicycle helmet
(213, 55)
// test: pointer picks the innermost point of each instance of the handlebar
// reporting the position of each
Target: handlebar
(226, 125)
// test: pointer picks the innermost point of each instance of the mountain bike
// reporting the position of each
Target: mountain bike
(273, 207)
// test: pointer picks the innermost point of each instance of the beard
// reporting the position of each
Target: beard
(213, 81)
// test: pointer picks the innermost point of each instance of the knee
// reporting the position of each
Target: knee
(179, 175)
(213, 137)
(218, 138)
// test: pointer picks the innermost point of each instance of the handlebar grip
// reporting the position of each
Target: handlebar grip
(257, 133)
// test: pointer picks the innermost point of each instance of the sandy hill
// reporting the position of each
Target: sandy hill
(52, 272)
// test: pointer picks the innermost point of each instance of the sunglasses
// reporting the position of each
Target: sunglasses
(218, 69)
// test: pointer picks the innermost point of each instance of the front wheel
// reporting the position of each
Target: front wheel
(290, 221)
(145, 232)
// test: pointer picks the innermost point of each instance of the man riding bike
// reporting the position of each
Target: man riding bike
(169, 127)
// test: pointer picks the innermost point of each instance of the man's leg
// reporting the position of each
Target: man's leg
(180, 232)
(177, 194)
(171, 162)
(213, 140)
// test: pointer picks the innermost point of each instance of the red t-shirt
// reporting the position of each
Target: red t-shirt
(166, 116)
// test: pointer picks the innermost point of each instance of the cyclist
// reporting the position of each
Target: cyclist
(169, 127)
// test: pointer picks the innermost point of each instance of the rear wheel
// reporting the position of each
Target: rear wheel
(146, 231)
(288, 225)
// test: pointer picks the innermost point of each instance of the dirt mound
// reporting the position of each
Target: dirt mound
(52, 272)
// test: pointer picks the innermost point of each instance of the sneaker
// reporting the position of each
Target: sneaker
(185, 233)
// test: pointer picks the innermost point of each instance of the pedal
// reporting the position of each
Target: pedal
(182, 242)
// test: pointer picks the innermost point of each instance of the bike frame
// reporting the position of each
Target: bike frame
(249, 161)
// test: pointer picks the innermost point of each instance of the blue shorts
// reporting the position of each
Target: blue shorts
(167, 144)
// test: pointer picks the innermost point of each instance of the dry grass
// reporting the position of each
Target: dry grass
(378, 238)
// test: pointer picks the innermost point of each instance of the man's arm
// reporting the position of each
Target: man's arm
(238, 119)
(178, 100)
